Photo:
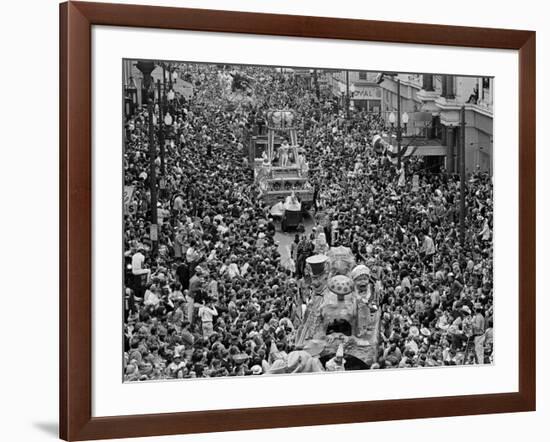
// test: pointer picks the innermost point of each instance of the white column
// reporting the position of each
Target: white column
(480, 89)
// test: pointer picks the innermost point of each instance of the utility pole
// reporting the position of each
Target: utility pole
(347, 95)
(462, 173)
(163, 84)
(161, 128)
(399, 123)
(146, 67)
(164, 108)
(316, 81)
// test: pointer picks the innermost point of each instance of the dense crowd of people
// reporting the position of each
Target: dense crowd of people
(219, 298)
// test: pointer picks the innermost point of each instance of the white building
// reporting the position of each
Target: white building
(442, 97)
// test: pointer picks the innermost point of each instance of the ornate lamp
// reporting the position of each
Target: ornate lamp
(405, 120)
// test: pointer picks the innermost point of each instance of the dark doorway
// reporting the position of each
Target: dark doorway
(339, 326)
(434, 164)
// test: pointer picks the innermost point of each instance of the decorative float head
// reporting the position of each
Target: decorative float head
(361, 277)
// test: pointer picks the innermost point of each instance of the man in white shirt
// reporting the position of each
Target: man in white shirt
(138, 260)
(179, 203)
(192, 255)
(207, 313)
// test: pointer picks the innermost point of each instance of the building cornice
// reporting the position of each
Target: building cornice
(446, 104)
(425, 95)
(404, 82)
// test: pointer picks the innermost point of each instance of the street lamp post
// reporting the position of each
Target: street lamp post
(146, 67)
(161, 128)
(462, 174)
(167, 121)
(170, 76)
(316, 81)
(400, 152)
(402, 121)
(352, 94)
(399, 137)
(342, 100)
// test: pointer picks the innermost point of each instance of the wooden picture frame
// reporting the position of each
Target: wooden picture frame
(76, 21)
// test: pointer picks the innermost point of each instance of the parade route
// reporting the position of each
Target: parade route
(399, 275)
(284, 239)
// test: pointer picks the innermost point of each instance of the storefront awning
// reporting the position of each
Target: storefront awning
(419, 147)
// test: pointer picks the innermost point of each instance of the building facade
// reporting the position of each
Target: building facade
(364, 93)
(441, 97)
(410, 86)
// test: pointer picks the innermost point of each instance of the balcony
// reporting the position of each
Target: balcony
(453, 105)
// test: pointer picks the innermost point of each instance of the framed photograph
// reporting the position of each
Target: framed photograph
(272, 221)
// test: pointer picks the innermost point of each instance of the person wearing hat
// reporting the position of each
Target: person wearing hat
(455, 285)
(256, 370)
(337, 363)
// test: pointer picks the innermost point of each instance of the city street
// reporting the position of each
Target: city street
(285, 239)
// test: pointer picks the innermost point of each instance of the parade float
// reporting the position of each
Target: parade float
(280, 166)
(343, 309)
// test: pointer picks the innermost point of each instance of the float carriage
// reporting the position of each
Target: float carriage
(280, 168)
(343, 309)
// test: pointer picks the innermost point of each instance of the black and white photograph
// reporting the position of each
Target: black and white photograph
(289, 220)
(275, 220)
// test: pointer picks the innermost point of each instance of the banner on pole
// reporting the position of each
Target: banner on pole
(128, 194)
(415, 183)
(154, 232)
